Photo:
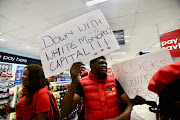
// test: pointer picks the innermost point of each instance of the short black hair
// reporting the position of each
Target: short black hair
(95, 60)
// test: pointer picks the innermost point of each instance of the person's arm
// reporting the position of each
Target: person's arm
(7, 109)
(42, 103)
(128, 107)
(42, 116)
(71, 99)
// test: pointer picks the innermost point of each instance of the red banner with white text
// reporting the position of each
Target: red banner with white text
(171, 40)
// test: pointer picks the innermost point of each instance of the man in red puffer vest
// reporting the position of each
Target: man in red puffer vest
(101, 93)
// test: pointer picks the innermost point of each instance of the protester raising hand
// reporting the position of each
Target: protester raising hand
(75, 71)
(100, 91)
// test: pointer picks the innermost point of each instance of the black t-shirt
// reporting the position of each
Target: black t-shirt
(79, 89)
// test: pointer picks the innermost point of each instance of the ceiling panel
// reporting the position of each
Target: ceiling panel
(40, 27)
(55, 8)
(7, 38)
(8, 5)
(117, 8)
(6, 25)
(167, 26)
(32, 49)
(175, 26)
(122, 22)
(68, 16)
(21, 33)
(157, 16)
(32, 39)
(144, 37)
(24, 15)
(18, 45)
(150, 5)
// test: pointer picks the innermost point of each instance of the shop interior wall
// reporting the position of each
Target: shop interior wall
(10, 51)
(14, 66)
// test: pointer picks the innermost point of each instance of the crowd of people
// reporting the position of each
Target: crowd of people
(101, 95)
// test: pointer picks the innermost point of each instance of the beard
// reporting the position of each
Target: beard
(102, 76)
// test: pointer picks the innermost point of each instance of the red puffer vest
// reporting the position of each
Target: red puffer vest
(100, 97)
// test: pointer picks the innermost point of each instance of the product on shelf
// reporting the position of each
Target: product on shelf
(59, 90)
(5, 97)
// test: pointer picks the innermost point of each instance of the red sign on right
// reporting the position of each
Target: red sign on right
(171, 40)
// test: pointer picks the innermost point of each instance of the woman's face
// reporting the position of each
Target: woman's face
(25, 79)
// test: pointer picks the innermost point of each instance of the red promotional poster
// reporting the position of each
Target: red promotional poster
(171, 40)
(87, 69)
(109, 70)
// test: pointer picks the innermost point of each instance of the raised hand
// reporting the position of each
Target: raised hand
(75, 70)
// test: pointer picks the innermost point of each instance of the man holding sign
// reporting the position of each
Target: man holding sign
(100, 91)
(81, 39)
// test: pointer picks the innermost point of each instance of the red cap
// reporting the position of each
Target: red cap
(164, 76)
(84, 73)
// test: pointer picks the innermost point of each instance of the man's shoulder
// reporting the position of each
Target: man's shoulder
(86, 77)
(86, 80)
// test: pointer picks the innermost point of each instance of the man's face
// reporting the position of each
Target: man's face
(100, 68)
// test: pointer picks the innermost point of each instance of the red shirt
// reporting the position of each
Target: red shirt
(39, 104)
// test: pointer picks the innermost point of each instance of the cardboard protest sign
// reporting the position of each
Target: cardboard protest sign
(171, 40)
(81, 39)
(134, 74)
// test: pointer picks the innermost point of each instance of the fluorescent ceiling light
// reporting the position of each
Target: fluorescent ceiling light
(28, 47)
(2, 40)
(117, 53)
(156, 45)
(93, 2)
(0, 33)
(127, 36)
(117, 60)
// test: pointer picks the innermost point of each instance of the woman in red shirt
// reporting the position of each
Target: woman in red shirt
(35, 104)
